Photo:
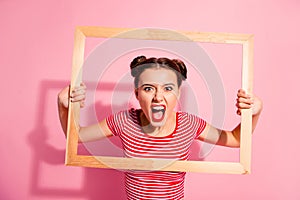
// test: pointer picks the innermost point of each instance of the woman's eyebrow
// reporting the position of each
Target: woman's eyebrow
(153, 85)
(169, 84)
(147, 84)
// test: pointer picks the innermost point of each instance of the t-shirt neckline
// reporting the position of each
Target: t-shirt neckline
(138, 112)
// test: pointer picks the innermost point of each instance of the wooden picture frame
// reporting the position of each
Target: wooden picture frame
(241, 167)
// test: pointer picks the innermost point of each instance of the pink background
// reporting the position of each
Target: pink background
(36, 46)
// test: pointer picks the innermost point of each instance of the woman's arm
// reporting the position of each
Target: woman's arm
(89, 133)
(232, 138)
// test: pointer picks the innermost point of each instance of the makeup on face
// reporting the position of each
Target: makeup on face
(157, 94)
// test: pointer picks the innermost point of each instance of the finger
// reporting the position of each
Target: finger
(243, 105)
(78, 93)
(82, 84)
(241, 92)
(78, 98)
(63, 97)
(80, 88)
(245, 100)
(244, 95)
(64, 92)
(82, 104)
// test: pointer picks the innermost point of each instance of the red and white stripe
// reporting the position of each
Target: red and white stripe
(155, 184)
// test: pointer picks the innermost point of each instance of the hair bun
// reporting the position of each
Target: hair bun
(137, 61)
(182, 67)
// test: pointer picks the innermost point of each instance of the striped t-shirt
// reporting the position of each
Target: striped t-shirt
(155, 184)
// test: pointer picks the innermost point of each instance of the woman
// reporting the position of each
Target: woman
(156, 130)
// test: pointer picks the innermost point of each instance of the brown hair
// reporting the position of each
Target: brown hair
(140, 63)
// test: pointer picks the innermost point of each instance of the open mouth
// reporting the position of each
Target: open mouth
(158, 113)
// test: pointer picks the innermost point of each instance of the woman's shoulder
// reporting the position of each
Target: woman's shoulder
(184, 115)
(134, 111)
(190, 121)
(126, 111)
(131, 113)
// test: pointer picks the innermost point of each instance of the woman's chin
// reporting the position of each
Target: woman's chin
(158, 123)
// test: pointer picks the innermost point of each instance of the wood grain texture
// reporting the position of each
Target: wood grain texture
(74, 108)
(242, 167)
(157, 164)
(163, 34)
(246, 118)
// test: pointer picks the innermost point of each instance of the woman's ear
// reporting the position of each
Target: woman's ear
(179, 93)
(136, 93)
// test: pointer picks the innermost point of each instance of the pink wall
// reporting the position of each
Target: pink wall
(36, 49)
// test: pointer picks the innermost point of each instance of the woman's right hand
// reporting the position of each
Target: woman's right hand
(77, 95)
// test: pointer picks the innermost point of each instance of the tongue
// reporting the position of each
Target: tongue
(157, 116)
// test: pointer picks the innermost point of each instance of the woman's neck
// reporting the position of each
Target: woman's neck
(158, 131)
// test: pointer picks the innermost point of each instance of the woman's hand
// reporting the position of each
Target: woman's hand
(77, 95)
(246, 101)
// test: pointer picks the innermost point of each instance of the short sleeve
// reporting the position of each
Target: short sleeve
(197, 123)
(116, 122)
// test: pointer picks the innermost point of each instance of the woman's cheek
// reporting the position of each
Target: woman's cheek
(172, 100)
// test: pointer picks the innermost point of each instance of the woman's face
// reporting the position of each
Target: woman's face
(157, 94)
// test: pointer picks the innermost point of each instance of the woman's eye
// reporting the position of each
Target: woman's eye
(147, 89)
(168, 88)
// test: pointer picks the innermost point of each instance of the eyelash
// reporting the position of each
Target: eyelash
(168, 88)
(147, 89)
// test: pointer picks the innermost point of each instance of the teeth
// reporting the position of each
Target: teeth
(158, 108)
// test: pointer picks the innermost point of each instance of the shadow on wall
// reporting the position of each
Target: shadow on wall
(104, 183)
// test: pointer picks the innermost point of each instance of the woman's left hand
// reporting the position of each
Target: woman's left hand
(246, 101)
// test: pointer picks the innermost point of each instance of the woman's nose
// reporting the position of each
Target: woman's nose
(158, 96)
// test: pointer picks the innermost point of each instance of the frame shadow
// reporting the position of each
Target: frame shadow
(45, 153)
